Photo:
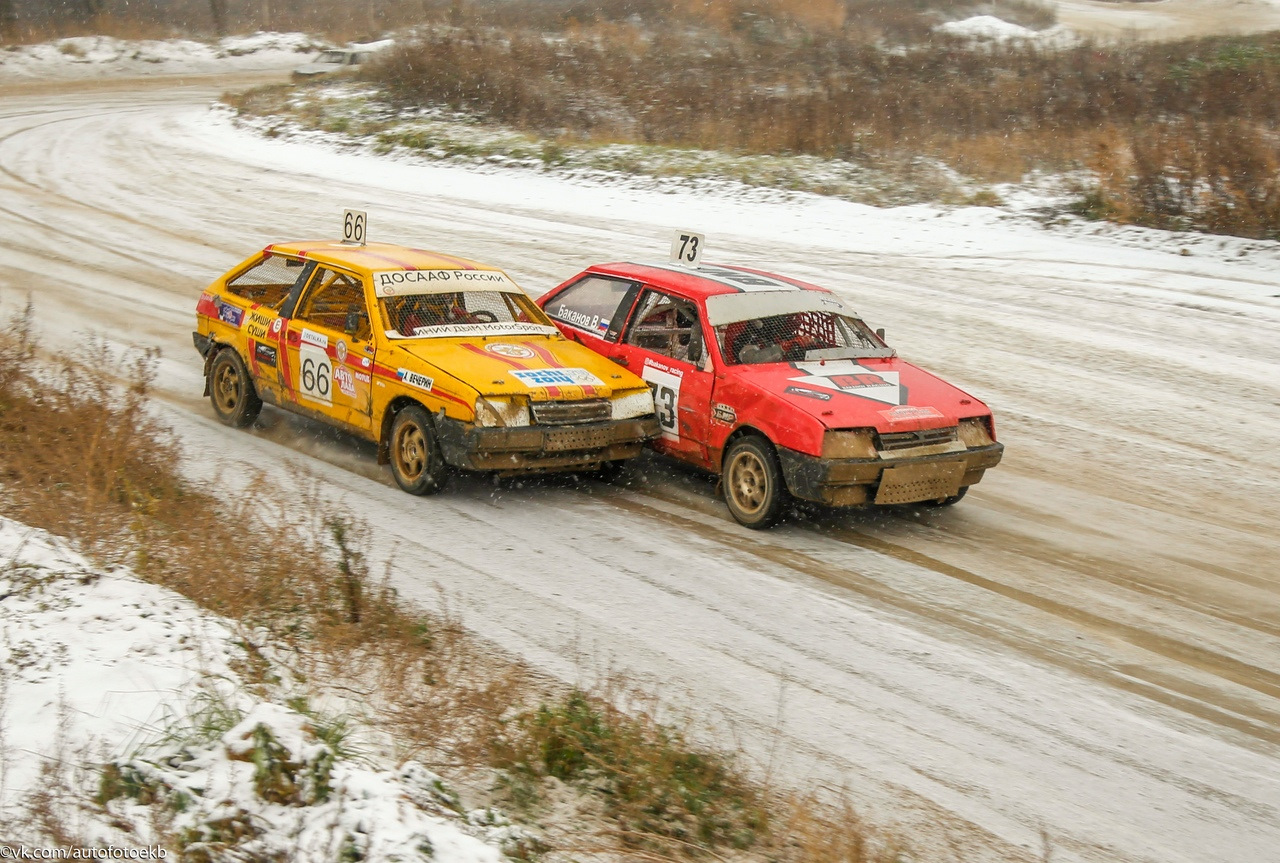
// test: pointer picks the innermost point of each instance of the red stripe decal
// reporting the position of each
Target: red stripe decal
(390, 374)
(282, 357)
(547, 357)
(379, 257)
(465, 264)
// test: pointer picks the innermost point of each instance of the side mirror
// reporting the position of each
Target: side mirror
(880, 333)
(352, 325)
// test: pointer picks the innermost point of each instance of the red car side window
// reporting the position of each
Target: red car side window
(595, 305)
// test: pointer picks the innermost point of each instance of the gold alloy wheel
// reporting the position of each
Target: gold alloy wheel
(748, 482)
(227, 388)
(410, 451)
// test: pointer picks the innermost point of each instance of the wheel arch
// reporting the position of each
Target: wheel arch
(215, 347)
(744, 430)
(394, 407)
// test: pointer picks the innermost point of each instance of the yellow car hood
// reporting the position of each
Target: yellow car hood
(540, 367)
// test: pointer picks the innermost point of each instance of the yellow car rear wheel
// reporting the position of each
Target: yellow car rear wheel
(416, 460)
(231, 390)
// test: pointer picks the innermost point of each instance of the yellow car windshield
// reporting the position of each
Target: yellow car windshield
(462, 313)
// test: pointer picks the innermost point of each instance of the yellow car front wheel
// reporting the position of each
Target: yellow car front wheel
(416, 460)
(231, 390)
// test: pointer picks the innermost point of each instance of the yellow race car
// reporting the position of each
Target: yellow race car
(443, 362)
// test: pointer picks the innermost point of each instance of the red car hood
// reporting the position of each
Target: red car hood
(888, 394)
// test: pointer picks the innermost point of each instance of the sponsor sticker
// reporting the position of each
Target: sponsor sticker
(911, 412)
(230, 314)
(264, 354)
(509, 328)
(341, 350)
(414, 379)
(311, 337)
(847, 376)
(366, 362)
(556, 378)
(663, 367)
(345, 381)
(364, 378)
(724, 414)
(259, 325)
(207, 305)
(505, 349)
(391, 283)
(276, 326)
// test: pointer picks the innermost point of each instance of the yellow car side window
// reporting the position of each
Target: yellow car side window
(267, 282)
(332, 300)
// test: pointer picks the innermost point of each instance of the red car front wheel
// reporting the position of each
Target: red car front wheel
(753, 485)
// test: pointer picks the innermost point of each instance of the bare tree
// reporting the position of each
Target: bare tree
(8, 21)
(217, 11)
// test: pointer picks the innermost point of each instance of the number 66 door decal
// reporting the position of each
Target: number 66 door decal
(315, 374)
(666, 399)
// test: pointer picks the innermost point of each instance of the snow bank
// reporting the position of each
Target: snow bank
(104, 56)
(90, 655)
(270, 781)
(98, 667)
(992, 29)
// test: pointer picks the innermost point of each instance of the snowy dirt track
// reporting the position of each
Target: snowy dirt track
(1088, 645)
(1167, 19)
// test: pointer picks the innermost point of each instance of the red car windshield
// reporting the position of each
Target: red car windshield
(798, 337)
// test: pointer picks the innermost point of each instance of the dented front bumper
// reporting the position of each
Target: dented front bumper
(542, 448)
(886, 480)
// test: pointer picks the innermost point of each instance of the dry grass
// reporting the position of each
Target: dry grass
(82, 456)
(822, 832)
(661, 793)
(1200, 117)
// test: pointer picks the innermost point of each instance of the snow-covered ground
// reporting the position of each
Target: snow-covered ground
(1167, 19)
(98, 667)
(104, 56)
(1089, 645)
(991, 28)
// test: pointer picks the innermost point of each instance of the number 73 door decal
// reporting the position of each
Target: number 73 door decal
(665, 383)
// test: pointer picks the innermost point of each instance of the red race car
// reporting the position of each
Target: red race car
(777, 386)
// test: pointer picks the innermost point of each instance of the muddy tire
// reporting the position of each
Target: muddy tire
(416, 460)
(231, 390)
(947, 501)
(753, 485)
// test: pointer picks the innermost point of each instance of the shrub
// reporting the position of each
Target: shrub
(1193, 123)
(660, 790)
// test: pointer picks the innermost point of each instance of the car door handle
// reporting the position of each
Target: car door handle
(621, 360)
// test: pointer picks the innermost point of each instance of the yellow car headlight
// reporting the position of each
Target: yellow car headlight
(638, 403)
(501, 412)
(975, 432)
(849, 443)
